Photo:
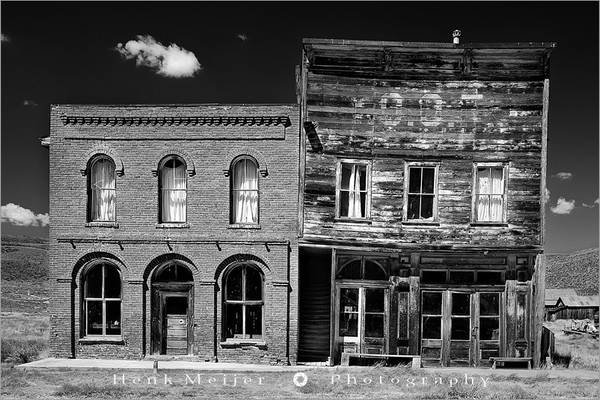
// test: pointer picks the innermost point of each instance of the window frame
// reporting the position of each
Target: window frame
(338, 189)
(244, 265)
(474, 196)
(232, 190)
(84, 301)
(161, 165)
(92, 162)
(421, 164)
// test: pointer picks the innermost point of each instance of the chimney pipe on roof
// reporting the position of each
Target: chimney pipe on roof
(456, 37)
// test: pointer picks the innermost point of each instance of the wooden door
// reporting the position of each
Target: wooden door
(373, 320)
(176, 319)
(172, 316)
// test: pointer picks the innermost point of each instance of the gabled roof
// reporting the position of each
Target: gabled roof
(552, 295)
(579, 301)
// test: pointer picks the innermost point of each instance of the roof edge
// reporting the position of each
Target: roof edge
(440, 45)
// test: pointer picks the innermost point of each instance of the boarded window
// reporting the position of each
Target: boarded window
(353, 190)
(243, 303)
(421, 198)
(102, 300)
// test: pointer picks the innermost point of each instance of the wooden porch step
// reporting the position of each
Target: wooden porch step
(512, 360)
(415, 360)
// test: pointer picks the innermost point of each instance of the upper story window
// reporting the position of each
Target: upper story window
(353, 200)
(173, 191)
(490, 193)
(421, 192)
(102, 190)
(243, 303)
(102, 300)
(244, 191)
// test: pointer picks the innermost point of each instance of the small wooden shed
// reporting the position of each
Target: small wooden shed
(576, 307)
(552, 296)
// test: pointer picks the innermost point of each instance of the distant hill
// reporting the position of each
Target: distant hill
(578, 270)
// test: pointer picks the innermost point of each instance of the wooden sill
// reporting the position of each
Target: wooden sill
(101, 340)
(173, 225)
(102, 224)
(420, 223)
(353, 220)
(243, 342)
(490, 224)
(243, 226)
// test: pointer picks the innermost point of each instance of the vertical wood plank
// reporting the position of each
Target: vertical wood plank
(510, 310)
(538, 291)
(414, 319)
(333, 310)
(446, 326)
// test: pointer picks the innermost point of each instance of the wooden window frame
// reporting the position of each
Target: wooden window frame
(90, 190)
(161, 219)
(244, 303)
(232, 190)
(505, 168)
(103, 299)
(338, 189)
(421, 164)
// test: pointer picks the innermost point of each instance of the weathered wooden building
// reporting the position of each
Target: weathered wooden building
(575, 307)
(422, 175)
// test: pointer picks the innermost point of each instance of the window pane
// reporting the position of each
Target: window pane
(363, 176)
(348, 300)
(414, 180)
(113, 317)
(234, 284)
(489, 329)
(363, 205)
(93, 282)
(428, 180)
(461, 304)
(351, 270)
(112, 282)
(346, 172)
(234, 321)
(462, 277)
(496, 208)
(433, 276)
(489, 303)
(174, 273)
(374, 271)
(432, 303)
(432, 327)
(483, 181)
(94, 318)
(490, 277)
(413, 207)
(254, 322)
(344, 203)
(374, 300)
(373, 325)
(427, 207)
(348, 324)
(253, 284)
(460, 329)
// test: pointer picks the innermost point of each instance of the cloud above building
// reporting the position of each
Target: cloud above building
(563, 206)
(594, 204)
(170, 61)
(563, 176)
(242, 36)
(19, 216)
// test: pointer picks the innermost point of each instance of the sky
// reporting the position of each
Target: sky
(191, 52)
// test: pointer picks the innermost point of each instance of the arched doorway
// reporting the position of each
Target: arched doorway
(172, 308)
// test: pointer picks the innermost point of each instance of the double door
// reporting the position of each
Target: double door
(361, 324)
(460, 328)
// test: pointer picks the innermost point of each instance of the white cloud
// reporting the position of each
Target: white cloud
(563, 176)
(594, 204)
(29, 103)
(171, 61)
(242, 36)
(4, 38)
(563, 206)
(17, 215)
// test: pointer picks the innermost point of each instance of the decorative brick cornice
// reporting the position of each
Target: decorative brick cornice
(186, 121)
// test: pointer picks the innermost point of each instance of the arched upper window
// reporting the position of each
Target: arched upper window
(243, 303)
(173, 190)
(101, 190)
(362, 268)
(244, 191)
(173, 272)
(102, 300)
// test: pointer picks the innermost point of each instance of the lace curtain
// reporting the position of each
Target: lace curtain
(490, 194)
(245, 192)
(174, 191)
(102, 179)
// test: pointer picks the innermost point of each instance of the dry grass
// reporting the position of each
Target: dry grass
(574, 351)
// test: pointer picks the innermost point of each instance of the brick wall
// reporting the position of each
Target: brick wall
(137, 145)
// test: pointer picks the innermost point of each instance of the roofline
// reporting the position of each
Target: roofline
(440, 45)
(173, 104)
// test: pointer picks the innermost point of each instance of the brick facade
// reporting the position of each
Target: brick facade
(208, 138)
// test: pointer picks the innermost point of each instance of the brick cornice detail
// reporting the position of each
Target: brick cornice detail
(186, 121)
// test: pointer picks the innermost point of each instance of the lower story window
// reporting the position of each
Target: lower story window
(102, 300)
(243, 303)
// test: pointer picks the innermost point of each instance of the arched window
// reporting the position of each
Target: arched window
(102, 300)
(173, 190)
(101, 190)
(244, 191)
(362, 268)
(243, 303)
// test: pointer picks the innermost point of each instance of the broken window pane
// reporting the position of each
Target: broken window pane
(432, 327)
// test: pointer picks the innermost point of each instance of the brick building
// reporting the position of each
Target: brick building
(174, 231)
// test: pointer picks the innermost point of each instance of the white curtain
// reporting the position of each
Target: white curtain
(490, 189)
(174, 191)
(354, 199)
(245, 192)
(103, 190)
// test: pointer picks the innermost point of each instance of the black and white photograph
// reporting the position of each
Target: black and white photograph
(261, 200)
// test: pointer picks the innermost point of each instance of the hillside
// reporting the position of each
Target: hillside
(577, 270)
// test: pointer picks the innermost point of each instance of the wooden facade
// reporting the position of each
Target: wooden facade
(396, 143)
